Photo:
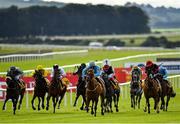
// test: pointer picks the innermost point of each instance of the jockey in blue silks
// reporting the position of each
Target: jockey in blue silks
(93, 66)
(163, 71)
(97, 72)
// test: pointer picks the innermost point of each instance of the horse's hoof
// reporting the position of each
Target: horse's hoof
(43, 106)
(92, 112)
(117, 110)
(34, 108)
(102, 113)
(74, 105)
(58, 107)
(81, 108)
(112, 111)
(39, 109)
(158, 111)
(145, 110)
(47, 108)
(3, 108)
(19, 107)
(131, 106)
(148, 112)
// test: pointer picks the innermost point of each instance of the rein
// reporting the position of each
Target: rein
(93, 89)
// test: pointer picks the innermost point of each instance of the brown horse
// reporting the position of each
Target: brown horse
(93, 91)
(152, 88)
(55, 90)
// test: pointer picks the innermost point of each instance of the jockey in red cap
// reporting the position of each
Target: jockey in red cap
(151, 69)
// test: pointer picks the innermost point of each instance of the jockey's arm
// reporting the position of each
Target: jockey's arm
(84, 73)
(97, 71)
(62, 72)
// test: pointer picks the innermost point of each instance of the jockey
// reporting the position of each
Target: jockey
(62, 73)
(79, 73)
(136, 70)
(44, 73)
(108, 69)
(15, 74)
(96, 68)
(163, 71)
(151, 69)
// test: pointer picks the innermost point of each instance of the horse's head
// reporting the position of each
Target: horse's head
(11, 83)
(38, 75)
(90, 73)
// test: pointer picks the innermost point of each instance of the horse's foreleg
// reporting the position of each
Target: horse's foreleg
(167, 102)
(139, 100)
(157, 104)
(92, 107)
(47, 100)
(132, 101)
(102, 104)
(162, 103)
(95, 107)
(62, 96)
(87, 104)
(14, 101)
(54, 104)
(77, 96)
(42, 104)
(32, 102)
(39, 103)
(20, 101)
(84, 102)
(117, 106)
(4, 106)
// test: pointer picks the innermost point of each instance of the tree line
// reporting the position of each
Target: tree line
(72, 19)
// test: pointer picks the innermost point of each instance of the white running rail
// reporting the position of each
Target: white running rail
(124, 90)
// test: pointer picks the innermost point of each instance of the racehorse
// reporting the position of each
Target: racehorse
(136, 90)
(40, 89)
(81, 90)
(13, 92)
(109, 93)
(115, 94)
(152, 88)
(166, 91)
(93, 91)
(55, 90)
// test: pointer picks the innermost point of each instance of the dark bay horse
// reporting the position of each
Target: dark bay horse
(109, 93)
(13, 92)
(136, 90)
(55, 90)
(166, 91)
(93, 91)
(81, 90)
(40, 89)
(152, 88)
(115, 93)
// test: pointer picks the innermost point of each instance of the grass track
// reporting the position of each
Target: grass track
(71, 114)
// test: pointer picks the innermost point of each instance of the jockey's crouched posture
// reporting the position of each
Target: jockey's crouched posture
(62, 75)
(15, 74)
(43, 72)
(136, 75)
(154, 71)
(97, 72)
(79, 73)
(108, 69)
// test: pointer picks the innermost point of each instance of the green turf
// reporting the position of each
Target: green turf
(82, 57)
(70, 114)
